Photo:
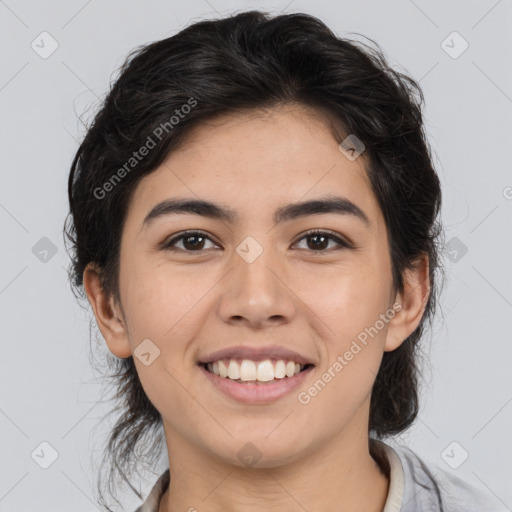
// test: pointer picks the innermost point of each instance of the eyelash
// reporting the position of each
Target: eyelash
(168, 245)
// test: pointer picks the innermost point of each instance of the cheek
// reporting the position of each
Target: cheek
(355, 314)
(162, 306)
(350, 300)
(353, 310)
(159, 300)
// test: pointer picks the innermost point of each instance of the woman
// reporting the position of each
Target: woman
(255, 225)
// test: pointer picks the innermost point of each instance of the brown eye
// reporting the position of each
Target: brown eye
(193, 241)
(320, 241)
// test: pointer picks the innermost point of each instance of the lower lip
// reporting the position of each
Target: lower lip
(259, 393)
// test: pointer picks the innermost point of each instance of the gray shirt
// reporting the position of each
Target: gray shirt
(413, 487)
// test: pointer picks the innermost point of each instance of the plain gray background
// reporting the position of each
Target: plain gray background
(50, 394)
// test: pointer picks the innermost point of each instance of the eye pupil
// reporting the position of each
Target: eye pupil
(188, 238)
(323, 244)
(317, 241)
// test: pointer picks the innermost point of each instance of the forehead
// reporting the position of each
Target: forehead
(255, 162)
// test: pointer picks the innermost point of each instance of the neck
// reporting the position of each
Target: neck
(340, 475)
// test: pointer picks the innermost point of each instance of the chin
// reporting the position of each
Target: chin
(261, 452)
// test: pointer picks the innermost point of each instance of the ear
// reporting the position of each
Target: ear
(108, 315)
(413, 301)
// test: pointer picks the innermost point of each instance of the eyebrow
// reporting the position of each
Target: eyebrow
(328, 204)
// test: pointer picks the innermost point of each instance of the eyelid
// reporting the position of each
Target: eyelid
(342, 242)
(166, 244)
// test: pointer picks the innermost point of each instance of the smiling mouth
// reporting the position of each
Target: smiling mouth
(246, 371)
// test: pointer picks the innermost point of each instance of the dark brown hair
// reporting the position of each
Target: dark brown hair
(252, 61)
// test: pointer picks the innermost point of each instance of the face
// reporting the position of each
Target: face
(258, 281)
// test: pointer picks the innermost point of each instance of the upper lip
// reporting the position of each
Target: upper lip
(255, 354)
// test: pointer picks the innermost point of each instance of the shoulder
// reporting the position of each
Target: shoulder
(428, 487)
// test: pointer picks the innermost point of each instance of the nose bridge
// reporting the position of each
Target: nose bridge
(253, 263)
(255, 289)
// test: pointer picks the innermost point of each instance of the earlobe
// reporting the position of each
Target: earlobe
(413, 301)
(108, 316)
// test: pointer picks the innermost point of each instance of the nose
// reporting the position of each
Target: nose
(257, 293)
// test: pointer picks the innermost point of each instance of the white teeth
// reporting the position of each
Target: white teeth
(280, 370)
(263, 371)
(248, 370)
(233, 370)
(223, 369)
(290, 369)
